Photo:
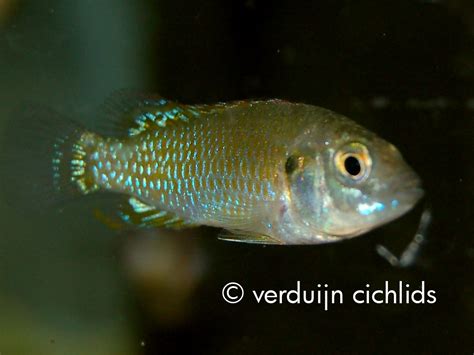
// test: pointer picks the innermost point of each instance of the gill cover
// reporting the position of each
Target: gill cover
(305, 181)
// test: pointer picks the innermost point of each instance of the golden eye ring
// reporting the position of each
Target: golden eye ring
(353, 161)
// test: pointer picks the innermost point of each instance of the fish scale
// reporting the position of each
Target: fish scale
(191, 154)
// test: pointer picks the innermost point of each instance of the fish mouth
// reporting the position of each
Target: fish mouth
(401, 204)
(408, 192)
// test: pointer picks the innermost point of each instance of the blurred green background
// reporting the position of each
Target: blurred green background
(405, 69)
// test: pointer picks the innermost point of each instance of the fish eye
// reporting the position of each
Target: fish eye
(353, 161)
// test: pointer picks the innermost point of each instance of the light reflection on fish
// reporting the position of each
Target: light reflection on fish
(270, 172)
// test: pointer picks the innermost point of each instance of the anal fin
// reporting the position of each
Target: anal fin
(133, 212)
(140, 214)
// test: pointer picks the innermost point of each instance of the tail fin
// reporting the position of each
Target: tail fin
(43, 158)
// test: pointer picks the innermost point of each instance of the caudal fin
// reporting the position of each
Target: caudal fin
(43, 158)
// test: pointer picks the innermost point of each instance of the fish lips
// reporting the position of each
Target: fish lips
(407, 193)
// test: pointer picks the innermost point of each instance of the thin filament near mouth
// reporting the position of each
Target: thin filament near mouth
(411, 252)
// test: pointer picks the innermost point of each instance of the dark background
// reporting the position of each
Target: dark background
(404, 69)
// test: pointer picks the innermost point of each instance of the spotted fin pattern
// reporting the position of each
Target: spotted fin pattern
(140, 214)
(129, 113)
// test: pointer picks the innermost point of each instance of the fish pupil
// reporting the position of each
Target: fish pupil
(352, 166)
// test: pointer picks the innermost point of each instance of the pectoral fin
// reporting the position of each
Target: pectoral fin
(248, 237)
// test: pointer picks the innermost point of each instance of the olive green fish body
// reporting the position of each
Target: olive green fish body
(266, 171)
(220, 166)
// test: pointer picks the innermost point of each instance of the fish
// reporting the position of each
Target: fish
(264, 171)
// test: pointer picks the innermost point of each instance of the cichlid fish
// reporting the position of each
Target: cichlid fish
(270, 172)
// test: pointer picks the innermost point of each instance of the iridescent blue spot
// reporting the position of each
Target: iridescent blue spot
(162, 122)
(395, 203)
(124, 216)
(366, 209)
(137, 182)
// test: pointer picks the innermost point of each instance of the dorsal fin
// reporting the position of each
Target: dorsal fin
(127, 113)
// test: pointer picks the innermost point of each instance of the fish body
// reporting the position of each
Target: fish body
(270, 172)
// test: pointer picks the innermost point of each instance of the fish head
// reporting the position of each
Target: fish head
(348, 181)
